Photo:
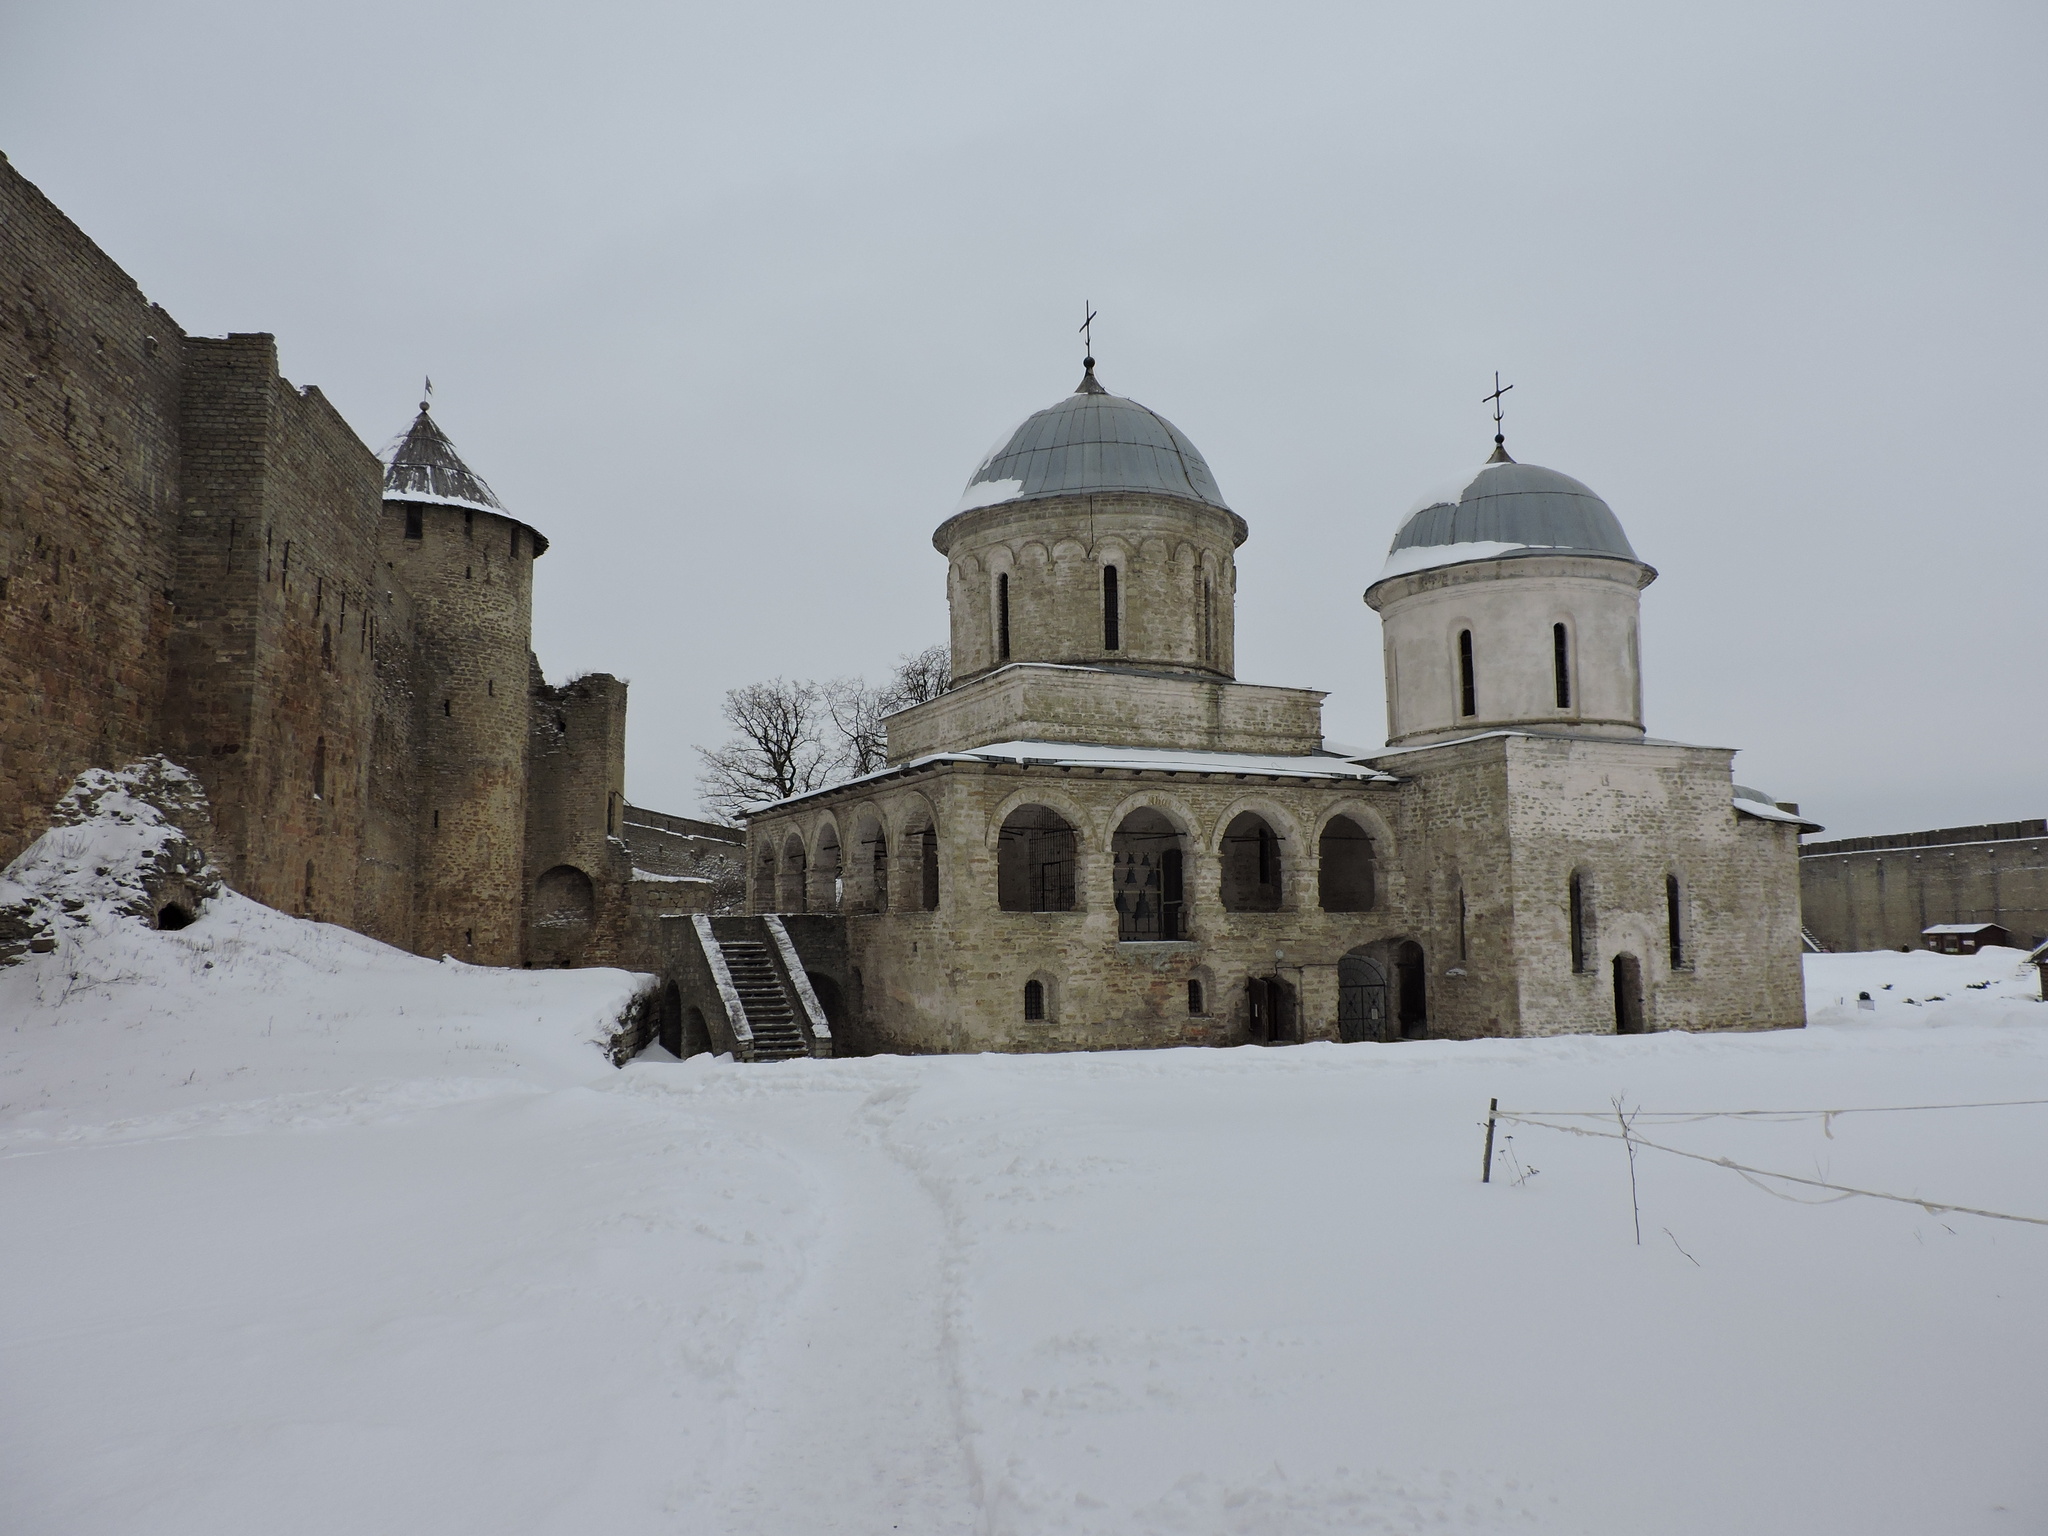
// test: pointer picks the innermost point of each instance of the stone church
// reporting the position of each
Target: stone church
(1098, 837)
(202, 561)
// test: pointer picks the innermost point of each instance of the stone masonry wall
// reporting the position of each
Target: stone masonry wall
(90, 378)
(270, 684)
(1054, 550)
(1045, 703)
(952, 979)
(1627, 815)
(470, 578)
(577, 758)
(1882, 898)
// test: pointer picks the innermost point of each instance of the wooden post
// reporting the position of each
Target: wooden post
(1486, 1173)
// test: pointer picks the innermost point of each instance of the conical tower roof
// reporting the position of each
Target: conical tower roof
(426, 467)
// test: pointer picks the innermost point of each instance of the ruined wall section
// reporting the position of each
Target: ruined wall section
(581, 909)
(469, 576)
(90, 378)
(270, 689)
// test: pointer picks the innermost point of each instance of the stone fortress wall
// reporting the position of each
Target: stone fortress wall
(197, 558)
(1881, 892)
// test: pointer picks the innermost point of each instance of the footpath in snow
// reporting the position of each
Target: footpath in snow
(302, 1234)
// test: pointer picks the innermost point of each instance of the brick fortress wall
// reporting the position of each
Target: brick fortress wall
(91, 375)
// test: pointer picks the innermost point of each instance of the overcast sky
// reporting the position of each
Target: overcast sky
(730, 300)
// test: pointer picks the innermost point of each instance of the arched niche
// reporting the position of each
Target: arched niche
(1148, 859)
(1252, 879)
(829, 875)
(1037, 857)
(564, 901)
(791, 895)
(1347, 879)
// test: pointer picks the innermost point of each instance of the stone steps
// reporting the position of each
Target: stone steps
(771, 1011)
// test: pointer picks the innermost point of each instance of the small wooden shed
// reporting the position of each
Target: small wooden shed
(1964, 938)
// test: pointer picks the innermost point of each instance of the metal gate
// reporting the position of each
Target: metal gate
(1361, 999)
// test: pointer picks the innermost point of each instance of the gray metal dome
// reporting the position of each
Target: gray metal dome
(1092, 441)
(1501, 510)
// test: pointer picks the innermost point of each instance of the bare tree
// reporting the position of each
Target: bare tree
(778, 749)
(920, 678)
(793, 737)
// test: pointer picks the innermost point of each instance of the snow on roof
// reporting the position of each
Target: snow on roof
(1427, 557)
(1763, 811)
(1067, 754)
(1960, 928)
(1063, 754)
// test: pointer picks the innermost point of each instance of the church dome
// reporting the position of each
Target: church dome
(1092, 441)
(1502, 510)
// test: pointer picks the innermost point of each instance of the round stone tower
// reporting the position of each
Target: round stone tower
(467, 567)
(1511, 598)
(1093, 535)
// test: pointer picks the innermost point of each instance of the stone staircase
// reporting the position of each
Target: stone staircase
(771, 1011)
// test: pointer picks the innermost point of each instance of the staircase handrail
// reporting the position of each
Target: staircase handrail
(721, 976)
(800, 984)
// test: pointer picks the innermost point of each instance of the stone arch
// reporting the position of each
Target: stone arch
(1364, 997)
(1052, 797)
(1148, 864)
(564, 904)
(1347, 864)
(866, 860)
(791, 890)
(172, 916)
(1037, 860)
(1046, 986)
(826, 876)
(917, 835)
(1251, 863)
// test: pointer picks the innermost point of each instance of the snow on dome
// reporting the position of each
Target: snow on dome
(1092, 441)
(1503, 509)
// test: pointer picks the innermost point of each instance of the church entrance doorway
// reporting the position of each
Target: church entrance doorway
(1411, 988)
(1361, 998)
(1271, 1005)
(1628, 995)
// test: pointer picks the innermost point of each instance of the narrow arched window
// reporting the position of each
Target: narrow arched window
(1034, 1001)
(1194, 997)
(1581, 916)
(1468, 691)
(1674, 917)
(1112, 627)
(1003, 616)
(1561, 658)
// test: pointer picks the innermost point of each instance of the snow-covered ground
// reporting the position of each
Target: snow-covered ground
(301, 1235)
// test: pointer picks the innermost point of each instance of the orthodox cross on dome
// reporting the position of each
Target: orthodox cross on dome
(1500, 443)
(1087, 329)
(429, 392)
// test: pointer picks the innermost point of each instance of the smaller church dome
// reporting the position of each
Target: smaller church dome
(1501, 510)
(1092, 441)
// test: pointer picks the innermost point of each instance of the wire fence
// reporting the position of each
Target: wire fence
(1547, 1120)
